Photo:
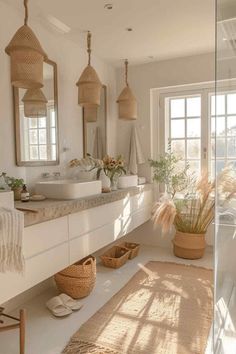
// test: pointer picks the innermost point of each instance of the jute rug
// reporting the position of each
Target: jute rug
(166, 308)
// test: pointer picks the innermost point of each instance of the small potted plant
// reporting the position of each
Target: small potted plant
(193, 211)
(15, 184)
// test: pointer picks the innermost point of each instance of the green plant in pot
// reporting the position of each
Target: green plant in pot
(16, 185)
(192, 212)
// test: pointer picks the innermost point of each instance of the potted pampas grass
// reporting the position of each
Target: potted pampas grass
(193, 212)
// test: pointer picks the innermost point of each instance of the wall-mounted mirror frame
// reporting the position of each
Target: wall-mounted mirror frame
(102, 116)
(20, 161)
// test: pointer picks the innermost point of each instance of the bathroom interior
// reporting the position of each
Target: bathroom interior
(117, 177)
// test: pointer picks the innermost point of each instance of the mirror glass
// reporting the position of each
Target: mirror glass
(36, 128)
(95, 128)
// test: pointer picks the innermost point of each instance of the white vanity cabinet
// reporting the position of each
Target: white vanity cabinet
(53, 245)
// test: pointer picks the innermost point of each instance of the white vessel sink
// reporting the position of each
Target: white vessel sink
(68, 189)
(127, 181)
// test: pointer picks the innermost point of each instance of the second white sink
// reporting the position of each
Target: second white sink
(68, 189)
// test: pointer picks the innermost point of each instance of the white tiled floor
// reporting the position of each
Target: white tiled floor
(48, 335)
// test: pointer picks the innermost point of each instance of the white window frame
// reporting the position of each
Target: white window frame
(159, 129)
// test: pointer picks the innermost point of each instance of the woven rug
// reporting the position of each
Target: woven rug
(166, 308)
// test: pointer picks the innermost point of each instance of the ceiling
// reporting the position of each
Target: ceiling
(162, 29)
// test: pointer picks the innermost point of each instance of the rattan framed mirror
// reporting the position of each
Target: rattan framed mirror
(95, 128)
(36, 136)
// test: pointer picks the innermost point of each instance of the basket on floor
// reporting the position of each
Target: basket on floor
(133, 247)
(77, 280)
(115, 257)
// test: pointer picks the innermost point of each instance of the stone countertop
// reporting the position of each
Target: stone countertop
(40, 211)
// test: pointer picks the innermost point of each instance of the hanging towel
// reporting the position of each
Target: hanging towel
(97, 145)
(136, 156)
(11, 236)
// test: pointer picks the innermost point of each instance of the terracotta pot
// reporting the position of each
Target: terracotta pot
(189, 246)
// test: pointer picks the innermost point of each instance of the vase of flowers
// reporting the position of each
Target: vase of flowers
(193, 211)
(112, 168)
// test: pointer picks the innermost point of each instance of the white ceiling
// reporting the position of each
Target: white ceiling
(161, 28)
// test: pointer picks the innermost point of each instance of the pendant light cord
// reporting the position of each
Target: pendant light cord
(26, 12)
(126, 72)
(89, 46)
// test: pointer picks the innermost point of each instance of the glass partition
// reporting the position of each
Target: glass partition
(225, 155)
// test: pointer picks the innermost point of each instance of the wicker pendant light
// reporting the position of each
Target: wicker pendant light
(91, 113)
(35, 104)
(89, 84)
(27, 57)
(127, 104)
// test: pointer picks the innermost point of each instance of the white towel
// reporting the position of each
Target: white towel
(11, 236)
(97, 145)
(136, 156)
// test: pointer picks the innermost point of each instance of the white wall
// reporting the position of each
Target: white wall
(71, 60)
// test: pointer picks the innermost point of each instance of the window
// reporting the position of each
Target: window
(201, 127)
(39, 143)
(185, 129)
(223, 129)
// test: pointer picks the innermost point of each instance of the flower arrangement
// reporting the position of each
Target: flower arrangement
(112, 167)
(86, 163)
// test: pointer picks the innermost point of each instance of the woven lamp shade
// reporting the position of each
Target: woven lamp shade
(127, 105)
(35, 104)
(89, 84)
(27, 58)
(90, 87)
(91, 113)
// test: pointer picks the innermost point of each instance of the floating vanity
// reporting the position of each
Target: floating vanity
(60, 232)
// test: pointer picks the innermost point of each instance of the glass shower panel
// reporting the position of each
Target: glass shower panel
(225, 155)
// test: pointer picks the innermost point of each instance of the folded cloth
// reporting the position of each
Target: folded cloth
(11, 236)
(136, 156)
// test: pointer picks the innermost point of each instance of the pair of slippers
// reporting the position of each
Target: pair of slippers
(63, 305)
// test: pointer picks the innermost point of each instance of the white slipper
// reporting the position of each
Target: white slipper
(72, 304)
(57, 307)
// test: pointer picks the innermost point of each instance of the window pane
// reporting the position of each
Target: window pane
(220, 164)
(43, 152)
(42, 136)
(213, 170)
(178, 147)
(177, 107)
(220, 126)
(213, 126)
(193, 149)
(42, 122)
(232, 163)
(54, 153)
(195, 167)
(231, 103)
(194, 107)
(34, 155)
(53, 135)
(52, 117)
(219, 151)
(33, 122)
(178, 128)
(231, 126)
(231, 147)
(220, 103)
(33, 136)
(194, 127)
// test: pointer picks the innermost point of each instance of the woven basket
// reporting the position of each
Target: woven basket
(115, 257)
(189, 246)
(90, 87)
(27, 58)
(77, 280)
(132, 247)
(127, 105)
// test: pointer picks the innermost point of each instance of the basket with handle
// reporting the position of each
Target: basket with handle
(115, 257)
(77, 280)
(133, 247)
